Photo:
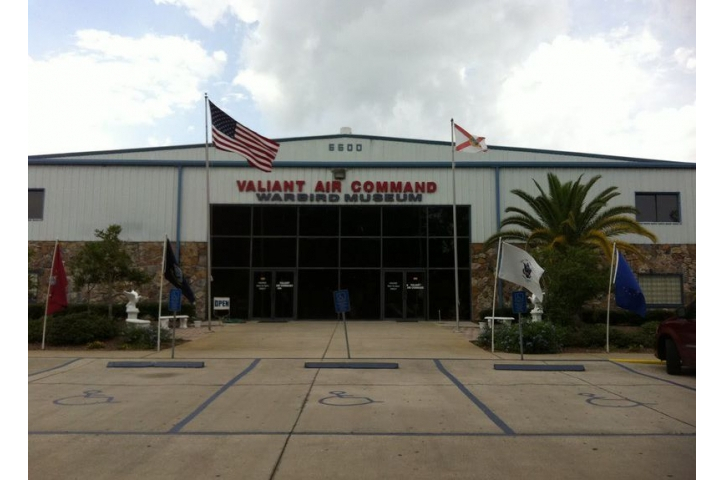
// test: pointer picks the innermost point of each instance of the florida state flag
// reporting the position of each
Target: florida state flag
(465, 142)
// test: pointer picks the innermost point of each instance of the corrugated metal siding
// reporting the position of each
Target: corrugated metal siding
(627, 182)
(143, 200)
(79, 201)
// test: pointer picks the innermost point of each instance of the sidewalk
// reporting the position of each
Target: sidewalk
(326, 340)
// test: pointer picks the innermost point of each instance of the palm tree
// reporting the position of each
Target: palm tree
(562, 218)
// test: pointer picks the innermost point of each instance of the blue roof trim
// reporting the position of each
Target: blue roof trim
(342, 164)
(492, 148)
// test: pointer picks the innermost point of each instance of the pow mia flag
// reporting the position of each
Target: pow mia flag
(173, 273)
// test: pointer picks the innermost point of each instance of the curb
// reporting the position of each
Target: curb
(634, 360)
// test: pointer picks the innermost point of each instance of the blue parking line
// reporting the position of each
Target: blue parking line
(653, 376)
(54, 368)
(177, 428)
(489, 413)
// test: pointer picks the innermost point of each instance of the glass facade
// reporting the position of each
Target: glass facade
(284, 262)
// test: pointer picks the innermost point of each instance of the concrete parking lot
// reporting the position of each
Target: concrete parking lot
(254, 410)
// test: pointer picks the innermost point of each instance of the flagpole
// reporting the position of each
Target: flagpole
(455, 222)
(47, 298)
(161, 293)
(208, 213)
(609, 294)
(495, 284)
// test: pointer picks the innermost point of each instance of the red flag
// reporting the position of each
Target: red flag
(234, 137)
(57, 291)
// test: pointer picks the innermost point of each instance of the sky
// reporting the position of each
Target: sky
(591, 76)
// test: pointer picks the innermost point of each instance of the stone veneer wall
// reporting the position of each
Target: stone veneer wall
(147, 256)
(660, 259)
(657, 259)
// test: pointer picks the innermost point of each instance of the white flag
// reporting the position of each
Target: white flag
(465, 142)
(520, 268)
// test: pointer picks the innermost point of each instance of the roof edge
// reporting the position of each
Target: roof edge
(362, 137)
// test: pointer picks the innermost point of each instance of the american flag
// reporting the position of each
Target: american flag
(234, 137)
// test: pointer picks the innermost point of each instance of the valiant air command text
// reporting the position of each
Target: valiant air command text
(331, 191)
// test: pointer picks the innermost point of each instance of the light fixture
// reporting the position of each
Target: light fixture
(339, 173)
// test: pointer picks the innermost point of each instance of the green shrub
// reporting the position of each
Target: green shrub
(37, 310)
(146, 309)
(72, 329)
(618, 316)
(585, 336)
(143, 338)
(544, 337)
(595, 336)
(35, 330)
(503, 311)
(538, 337)
(636, 339)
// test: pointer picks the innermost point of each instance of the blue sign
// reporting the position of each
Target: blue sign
(519, 303)
(175, 300)
(342, 301)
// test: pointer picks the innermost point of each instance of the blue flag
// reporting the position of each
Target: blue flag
(627, 293)
(173, 273)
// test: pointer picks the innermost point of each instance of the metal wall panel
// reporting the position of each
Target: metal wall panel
(80, 200)
(628, 182)
(143, 199)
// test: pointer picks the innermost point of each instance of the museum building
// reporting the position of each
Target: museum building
(371, 215)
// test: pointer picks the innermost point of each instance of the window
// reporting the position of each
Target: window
(36, 200)
(663, 290)
(658, 207)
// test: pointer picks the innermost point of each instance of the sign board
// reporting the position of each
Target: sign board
(519, 302)
(175, 300)
(342, 301)
(222, 303)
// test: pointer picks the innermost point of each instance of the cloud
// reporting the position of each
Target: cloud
(685, 57)
(605, 94)
(109, 84)
(211, 12)
(371, 65)
(502, 69)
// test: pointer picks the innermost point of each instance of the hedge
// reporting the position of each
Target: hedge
(146, 309)
(73, 329)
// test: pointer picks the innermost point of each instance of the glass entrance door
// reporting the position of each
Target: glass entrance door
(414, 295)
(273, 294)
(404, 294)
(393, 297)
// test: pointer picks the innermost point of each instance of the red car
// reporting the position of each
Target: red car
(676, 340)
